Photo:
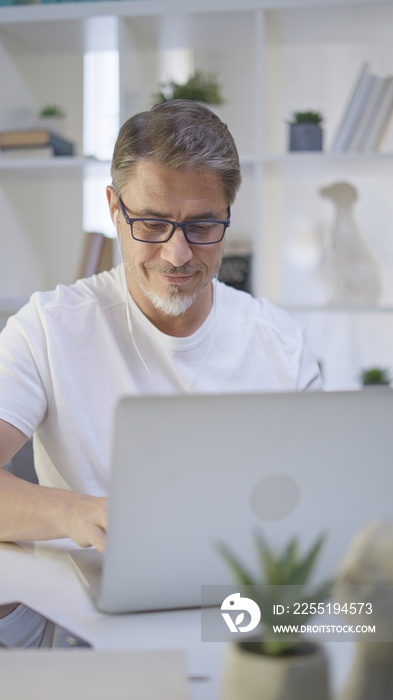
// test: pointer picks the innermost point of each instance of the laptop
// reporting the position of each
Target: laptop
(190, 472)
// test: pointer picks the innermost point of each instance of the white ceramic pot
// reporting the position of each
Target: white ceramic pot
(249, 676)
(55, 124)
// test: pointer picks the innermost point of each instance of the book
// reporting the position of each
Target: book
(368, 114)
(26, 138)
(353, 110)
(30, 152)
(369, 129)
(382, 118)
(97, 254)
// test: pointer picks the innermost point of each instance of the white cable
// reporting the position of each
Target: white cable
(127, 303)
(211, 337)
(130, 327)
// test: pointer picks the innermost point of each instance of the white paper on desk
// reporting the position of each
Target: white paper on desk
(81, 674)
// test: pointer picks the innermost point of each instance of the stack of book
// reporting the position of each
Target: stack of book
(367, 114)
(35, 143)
(97, 254)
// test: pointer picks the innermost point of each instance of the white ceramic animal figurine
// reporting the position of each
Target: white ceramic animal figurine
(355, 273)
(366, 573)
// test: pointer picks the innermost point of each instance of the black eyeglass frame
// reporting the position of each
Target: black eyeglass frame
(175, 224)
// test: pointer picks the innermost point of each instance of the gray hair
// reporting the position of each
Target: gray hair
(179, 134)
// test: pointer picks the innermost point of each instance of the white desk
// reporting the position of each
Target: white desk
(43, 577)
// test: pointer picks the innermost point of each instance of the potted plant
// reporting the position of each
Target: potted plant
(200, 87)
(278, 665)
(375, 376)
(51, 117)
(305, 131)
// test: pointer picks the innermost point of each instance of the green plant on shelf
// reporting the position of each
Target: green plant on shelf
(375, 376)
(306, 117)
(200, 87)
(51, 110)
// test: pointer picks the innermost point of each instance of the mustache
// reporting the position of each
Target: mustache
(173, 270)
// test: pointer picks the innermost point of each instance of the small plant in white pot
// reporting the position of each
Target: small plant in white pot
(305, 131)
(51, 116)
(278, 665)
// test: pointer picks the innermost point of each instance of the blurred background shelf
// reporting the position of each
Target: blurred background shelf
(103, 61)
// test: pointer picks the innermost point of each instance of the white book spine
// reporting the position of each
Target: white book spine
(368, 114)
(382, 118)
(369, 129)
(345, 128)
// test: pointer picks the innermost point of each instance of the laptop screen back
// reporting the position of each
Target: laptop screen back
(191, 472)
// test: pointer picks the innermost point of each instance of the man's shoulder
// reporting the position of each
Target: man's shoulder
(244, 308)
(103, 289)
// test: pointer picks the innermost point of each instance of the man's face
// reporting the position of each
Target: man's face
(168, 279)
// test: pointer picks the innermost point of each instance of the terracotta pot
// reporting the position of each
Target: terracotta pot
(252, 676)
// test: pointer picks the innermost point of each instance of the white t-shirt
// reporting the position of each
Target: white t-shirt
(68, 356)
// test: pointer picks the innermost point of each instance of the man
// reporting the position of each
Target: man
(160, 323)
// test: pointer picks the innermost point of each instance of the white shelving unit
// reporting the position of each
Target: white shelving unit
(272, 57)
(312, 56)
(41, 167)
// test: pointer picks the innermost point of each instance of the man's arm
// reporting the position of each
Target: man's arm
(31, 512)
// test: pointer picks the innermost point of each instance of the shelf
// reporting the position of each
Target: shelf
(329, 22)
(305, 163)
(72, 27)
(325, 157)
(338, 309)
(292, 162)
(58, 165)
(61, 26)
(294, 30)
(41, 167)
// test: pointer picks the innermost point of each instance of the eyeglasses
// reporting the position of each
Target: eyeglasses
(203, 232)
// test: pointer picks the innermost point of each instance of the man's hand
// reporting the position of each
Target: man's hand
(31, 512)
(85, 520)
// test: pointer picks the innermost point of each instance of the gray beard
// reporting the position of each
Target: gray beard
(176, 302)
(174, 305)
